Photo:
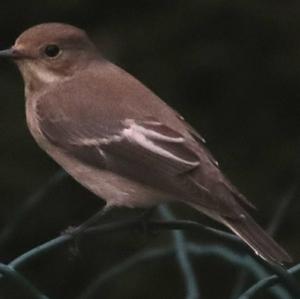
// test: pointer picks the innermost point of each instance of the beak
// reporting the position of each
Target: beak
(10, 53)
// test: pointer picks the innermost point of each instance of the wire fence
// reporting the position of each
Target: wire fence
(279, 282)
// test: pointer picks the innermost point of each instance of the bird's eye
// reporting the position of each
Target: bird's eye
(52, 51)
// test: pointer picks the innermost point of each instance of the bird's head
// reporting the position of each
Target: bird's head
(51, 52)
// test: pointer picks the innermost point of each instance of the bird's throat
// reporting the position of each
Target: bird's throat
(36, 76)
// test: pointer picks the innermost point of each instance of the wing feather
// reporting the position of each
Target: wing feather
(141, 140)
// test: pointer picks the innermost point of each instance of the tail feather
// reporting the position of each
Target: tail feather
(262, 244)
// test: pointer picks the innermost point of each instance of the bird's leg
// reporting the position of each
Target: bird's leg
(75, 231)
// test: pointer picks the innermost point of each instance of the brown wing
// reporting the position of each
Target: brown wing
(202, 143)
(122, 126)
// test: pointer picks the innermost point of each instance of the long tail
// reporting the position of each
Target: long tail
(262, 244)
(252, 234)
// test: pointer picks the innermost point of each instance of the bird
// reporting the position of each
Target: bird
(118, 139)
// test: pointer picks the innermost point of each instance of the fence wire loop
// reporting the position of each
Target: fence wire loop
(281, 283)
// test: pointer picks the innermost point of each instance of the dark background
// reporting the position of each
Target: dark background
(231, 68)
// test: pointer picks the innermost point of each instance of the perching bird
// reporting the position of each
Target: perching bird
(120, 140)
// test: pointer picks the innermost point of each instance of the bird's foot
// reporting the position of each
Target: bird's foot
(75, 232)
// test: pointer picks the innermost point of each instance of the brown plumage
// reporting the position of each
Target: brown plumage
(120, 140)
